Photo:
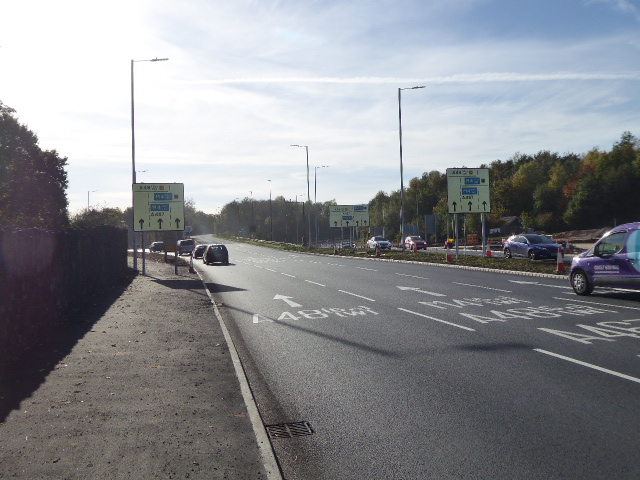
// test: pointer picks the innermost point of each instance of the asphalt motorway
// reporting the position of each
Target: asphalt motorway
(395, 370)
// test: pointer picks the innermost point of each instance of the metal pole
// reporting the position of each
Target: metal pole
(308, 197)
(401, 173)
(133, 176)
(270, 210)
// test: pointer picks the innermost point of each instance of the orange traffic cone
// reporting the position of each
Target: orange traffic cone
(560, 268)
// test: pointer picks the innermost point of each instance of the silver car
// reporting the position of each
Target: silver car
(382, 242)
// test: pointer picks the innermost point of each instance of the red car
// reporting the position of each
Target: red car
(414, 242)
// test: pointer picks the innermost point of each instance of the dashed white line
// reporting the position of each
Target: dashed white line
(412, 276)
(437, 319)
(356, 295)
(590, 365)
(482, 286)
(370, 269)
(288, 275)
(315, 283)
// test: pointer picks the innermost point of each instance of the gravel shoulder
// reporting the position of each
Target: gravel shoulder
(141, 385)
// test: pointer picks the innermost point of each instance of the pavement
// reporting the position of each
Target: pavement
(143, 383)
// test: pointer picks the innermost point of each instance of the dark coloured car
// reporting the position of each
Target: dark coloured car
(156, 247)
(532, 246)
(216, 253)
(186, 246)
(613, 261)
(198, 252)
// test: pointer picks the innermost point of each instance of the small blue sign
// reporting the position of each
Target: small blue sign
(160, 207)
(359, 208)
(469, 191)
(347, 217)
(159, 197)
(472, 180)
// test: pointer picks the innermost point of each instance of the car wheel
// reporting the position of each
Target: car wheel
(507, 253)
(531, 255)
(580, 283)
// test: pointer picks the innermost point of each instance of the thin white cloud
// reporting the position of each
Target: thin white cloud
(459, 78)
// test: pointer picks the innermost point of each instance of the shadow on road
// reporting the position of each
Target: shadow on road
(22, 375)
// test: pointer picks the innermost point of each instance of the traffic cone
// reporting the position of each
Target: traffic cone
(560, 268)
(449, 255)
(377, 249)
(489, 253)
(415, 248)
(191, 269)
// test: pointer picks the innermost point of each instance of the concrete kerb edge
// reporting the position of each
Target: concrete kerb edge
(461, 267)
(264, 443)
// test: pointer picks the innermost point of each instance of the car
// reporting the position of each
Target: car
(186, 246)
(381, 242)
(613, 261)
(199, 250)
(156, 247)
(532, 246)
(413, 242)
(216, 252)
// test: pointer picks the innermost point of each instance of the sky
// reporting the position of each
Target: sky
(246, 79)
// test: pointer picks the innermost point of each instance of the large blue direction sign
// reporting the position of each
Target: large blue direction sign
(158, 207)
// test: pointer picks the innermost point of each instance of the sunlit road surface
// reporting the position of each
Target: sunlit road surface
(405, 371)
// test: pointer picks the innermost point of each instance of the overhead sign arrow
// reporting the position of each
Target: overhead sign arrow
(289, 302)
(160, 223)
(178, 223)
(141, 222)
(415, 289)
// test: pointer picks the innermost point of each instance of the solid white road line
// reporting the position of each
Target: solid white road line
(585, 364)
(356, 295)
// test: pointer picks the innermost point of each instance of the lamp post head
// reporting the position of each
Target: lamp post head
(158, 59)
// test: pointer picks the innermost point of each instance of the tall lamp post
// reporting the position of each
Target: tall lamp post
(306, 147)
(133, 157)
(315, 194)
(270, 210)
(401, 175)
(251, 227)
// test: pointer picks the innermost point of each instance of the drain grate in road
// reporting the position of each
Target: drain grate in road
(289, 430)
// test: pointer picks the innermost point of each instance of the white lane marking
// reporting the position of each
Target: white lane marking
(288, 275)
(315, 283)
(590, 365)
(335, 264)
(287, 300)
(412, 276)
(356, 295)
(437, 319)
(596, 303)
(415, 289)
(482, 286)
(525, 282)
(270, 269)
(370, 269)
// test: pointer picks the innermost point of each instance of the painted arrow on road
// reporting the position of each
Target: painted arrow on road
(289, 302)
(435, 294)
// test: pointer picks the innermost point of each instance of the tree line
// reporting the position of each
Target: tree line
(548, 191)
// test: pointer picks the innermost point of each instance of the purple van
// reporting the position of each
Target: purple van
(614, 261)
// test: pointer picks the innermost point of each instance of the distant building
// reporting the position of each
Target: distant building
(506, 226)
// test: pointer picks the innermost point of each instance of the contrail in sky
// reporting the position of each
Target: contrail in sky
(458, 78)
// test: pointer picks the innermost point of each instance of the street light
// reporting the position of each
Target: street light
(315, 194)
(88, 191)
(270, 210)
(306, 147)
(133, 158)
(401, 175)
